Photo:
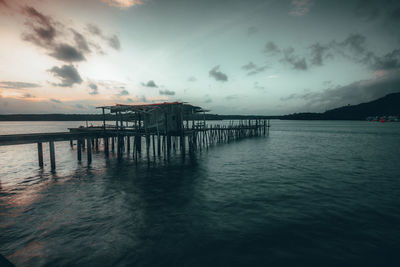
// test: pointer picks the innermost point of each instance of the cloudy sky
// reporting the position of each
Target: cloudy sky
(231, 56)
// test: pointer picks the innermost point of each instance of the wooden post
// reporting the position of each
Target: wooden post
(89, 150)
(106, 147)
(112, 144)
(154, 146)
(79, 149)
(104, 119)
(119, 147)
(71, 144)
(52, 156)
(40, 154)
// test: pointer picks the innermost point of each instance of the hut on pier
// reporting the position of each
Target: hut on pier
(165, 118)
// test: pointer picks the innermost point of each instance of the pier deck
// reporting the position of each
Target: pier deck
(160, 128)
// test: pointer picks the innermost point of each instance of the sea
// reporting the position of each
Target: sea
(309, 193)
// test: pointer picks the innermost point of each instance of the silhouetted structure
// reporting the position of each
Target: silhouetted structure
(161, 128)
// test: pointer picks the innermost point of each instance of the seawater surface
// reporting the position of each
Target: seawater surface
(310, 193)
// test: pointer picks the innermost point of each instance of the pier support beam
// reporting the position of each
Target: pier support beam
(79, 149)
(52, 156)
(89, 150)
(106, 146)
(40, 154)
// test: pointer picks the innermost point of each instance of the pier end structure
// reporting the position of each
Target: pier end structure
(167, 118)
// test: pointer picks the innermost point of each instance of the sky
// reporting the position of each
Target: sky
(264, 57)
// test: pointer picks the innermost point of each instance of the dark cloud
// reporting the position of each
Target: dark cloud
(252, 30)
(355, 42)
(389, 61)
(42, 29)
(166, 92)
(17, 85)
(298, 63)
(113, 42)
(271, 48)
(55, 100)
(123, 92)
(192, 79)
(4, 3)
(150, 83)
(218, 75)
(65, 44)
(68, 75)
(318, 54)
(354, 93)
(94, 29)
(81, 41)
(94, 89)
(67, 53)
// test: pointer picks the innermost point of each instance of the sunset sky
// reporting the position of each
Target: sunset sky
(229, 56)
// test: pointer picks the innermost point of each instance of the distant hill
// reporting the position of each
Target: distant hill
(385, 106)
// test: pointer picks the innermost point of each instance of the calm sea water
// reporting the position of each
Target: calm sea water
(310, 193)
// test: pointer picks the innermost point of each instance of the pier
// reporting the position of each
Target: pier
(153, 130)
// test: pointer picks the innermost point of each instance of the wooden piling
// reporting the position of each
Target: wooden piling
(79, 149)
(40, 154)
(89, 150)
(106, 147)
(52, 156)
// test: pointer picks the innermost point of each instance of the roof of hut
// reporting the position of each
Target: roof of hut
(148, 108)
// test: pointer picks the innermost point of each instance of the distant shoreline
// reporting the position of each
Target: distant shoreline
(109, 117)
(388, 105)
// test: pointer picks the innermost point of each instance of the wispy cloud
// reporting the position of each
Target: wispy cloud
(252, 68)
(192, 79)
(295, 61)
(112, 40)
(94, 89)
(123, 4)
(17, 85)
(55, 100)
(300, 7)
(252, 30)
(271, 48)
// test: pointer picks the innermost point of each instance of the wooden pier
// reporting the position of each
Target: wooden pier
(160, 128)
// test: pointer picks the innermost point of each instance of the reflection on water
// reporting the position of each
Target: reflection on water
(311, 193)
